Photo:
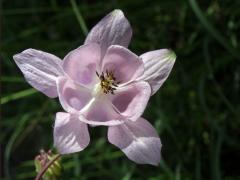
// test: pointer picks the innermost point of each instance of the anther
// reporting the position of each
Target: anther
(108, 81)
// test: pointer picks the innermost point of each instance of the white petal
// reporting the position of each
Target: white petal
(82, 63)
(113, 29)
(158, 65)
(99, 111)
(73, 97)
(138, 140)
(131, 100)
(126, 65)
(40, 69)
(70, 134)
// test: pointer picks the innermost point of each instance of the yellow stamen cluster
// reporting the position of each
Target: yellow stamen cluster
(108, 82)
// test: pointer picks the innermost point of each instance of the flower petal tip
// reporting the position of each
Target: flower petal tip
(172, 55)
(117, 12)
(16, 57)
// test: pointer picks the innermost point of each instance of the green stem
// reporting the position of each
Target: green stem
(212, 30)
(17, 95)
(79, 17)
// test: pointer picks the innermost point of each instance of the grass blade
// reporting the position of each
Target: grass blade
(18, 95)
(212, 30)
(10, 144)
(79, 17)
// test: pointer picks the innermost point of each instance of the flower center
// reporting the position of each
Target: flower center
(108, 82)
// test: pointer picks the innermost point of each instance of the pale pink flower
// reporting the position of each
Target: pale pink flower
(102, 83)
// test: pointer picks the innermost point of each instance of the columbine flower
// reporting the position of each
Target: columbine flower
(102, 83)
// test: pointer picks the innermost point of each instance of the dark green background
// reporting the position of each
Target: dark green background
(196, 112)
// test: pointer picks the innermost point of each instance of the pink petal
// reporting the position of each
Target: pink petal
(138, 140)
(82, 63)
(73, 97)
(40, 69)
(113, 29)
(70, 134)
(100, 112)
(158, 65)
(126, 65)
(132, 100)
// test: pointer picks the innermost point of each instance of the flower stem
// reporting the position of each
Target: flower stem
(44, 169)
(79, 17)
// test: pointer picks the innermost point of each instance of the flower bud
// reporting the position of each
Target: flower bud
(54, 170)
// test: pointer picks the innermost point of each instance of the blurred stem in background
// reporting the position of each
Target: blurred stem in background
(212, 30)
(79, 17)
(18, 95)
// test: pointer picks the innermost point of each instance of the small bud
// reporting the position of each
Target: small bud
(54, 171)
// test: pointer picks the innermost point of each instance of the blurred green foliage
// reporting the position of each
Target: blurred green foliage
(196, 112)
